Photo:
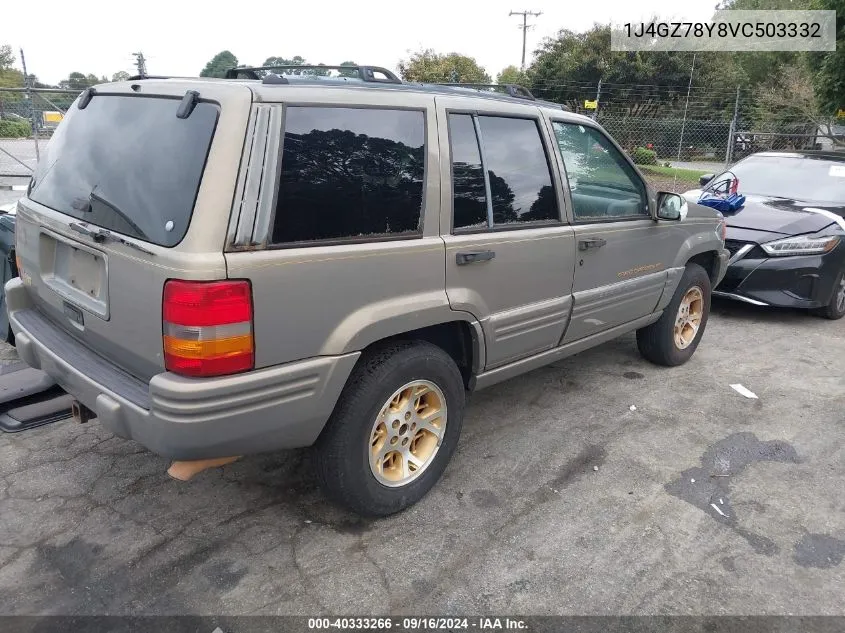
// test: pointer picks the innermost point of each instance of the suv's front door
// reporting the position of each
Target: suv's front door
(509, 255)
(622, 253)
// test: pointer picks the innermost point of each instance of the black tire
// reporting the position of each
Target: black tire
(341, 452)
(835, 309)
(656, 342)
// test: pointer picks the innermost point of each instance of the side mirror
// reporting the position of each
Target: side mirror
(671, 206)
(705, 178)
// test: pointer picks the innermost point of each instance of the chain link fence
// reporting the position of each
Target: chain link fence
(28, 117)
(677, 133)
(679, 150)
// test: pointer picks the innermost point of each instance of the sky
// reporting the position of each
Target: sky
(179, 38)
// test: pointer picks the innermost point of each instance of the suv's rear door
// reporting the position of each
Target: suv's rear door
(127, 195)
(509, 254)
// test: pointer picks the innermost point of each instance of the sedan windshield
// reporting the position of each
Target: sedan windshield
(805, 178)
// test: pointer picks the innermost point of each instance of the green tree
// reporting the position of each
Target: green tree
(829, 78)
(296, 60)
(513, 75)
(219, 64)
(764, 5)
(120, 75)
(567, 69)
(80, 81)
(348, 73)
(428, 66)
(760, 68)
(792, 88)
(7, 57)
(10, 77)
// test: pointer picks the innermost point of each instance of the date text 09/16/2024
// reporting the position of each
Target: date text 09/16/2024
(419, 624)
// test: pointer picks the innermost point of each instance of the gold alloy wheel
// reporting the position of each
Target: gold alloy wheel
(407, 433)
(688, 321)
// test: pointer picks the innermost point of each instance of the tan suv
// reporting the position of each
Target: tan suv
(221, 267)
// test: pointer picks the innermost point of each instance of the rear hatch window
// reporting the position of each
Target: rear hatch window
(128, 164)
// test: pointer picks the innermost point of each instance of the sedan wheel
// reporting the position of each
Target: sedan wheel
(836, 308)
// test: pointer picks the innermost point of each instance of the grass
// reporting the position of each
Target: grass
(689, 176)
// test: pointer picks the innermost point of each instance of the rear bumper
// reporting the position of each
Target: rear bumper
(795, 282)
(185, 418)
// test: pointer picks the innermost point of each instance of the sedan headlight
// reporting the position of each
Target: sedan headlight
(802, 245)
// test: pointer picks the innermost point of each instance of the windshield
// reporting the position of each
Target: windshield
(127, 164)
(804, 178)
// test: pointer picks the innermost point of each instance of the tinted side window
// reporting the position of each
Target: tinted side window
(602, 183)
(350, 172)
(468, 194)
(520, 178)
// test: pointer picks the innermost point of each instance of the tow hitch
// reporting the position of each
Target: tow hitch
(81, 413)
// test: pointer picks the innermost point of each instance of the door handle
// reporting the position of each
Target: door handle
(471, 257)
(592, 242)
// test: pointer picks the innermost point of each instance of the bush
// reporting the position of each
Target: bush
(643, 156)
(15, 129)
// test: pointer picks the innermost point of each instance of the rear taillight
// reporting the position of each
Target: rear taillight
(208, 327)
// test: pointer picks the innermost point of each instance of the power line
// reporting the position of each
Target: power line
(525, 26)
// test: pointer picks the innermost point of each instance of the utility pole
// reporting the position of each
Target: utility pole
(686, 107)
(141, 63)
(27, 80)
(525, 26)
(732, 132)
(598, 97)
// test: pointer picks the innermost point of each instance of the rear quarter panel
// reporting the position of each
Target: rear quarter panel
(333, 299)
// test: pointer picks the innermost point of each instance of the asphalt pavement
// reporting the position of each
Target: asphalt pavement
(17, 158)
(598, 485)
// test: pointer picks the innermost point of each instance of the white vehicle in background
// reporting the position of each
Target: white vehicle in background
(9, 208)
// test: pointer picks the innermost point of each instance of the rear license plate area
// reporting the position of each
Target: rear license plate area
(76, 273)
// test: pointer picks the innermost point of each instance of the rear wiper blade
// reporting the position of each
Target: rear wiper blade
(98, 235)
(97, 198)
(102, 235)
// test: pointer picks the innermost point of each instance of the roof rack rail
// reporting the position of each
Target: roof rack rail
(365, 73)
(137, 77)
(512, 90)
